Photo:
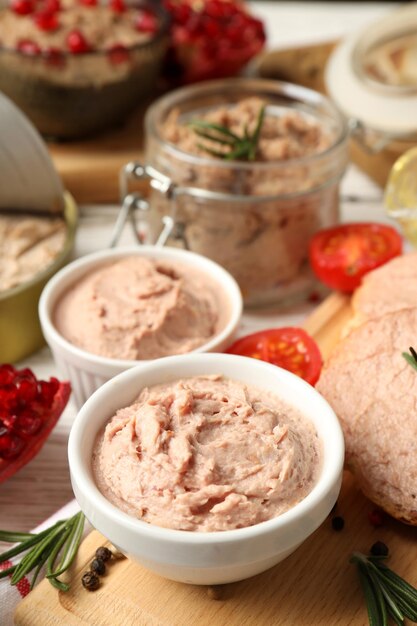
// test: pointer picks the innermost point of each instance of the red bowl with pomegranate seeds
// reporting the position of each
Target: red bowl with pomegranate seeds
(30, 409)
(210, 39)
(76, 67)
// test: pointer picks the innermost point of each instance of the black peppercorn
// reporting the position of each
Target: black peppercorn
(338, 523)
(98, 567)
(103, 553)
(379, 549)
(90, 581)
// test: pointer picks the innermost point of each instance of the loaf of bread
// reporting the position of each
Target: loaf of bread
(392, 287)
(373, 390)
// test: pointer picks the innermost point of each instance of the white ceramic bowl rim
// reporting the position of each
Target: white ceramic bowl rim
(332, 463)
(213, 270)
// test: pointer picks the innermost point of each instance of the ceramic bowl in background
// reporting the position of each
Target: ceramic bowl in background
(206, 557)
(69, 96)
(88, 371)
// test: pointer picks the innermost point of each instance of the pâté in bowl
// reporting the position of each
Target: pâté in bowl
(113, 309)
(190, 405)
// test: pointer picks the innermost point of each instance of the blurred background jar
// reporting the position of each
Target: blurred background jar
(372, 78)
(256, 217)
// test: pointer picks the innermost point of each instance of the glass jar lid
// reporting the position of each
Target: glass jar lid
(373, 77)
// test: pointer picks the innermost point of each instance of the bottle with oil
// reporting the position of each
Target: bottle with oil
(400, 197)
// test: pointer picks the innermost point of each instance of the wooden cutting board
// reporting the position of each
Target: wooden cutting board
(90, 168)
(316, 586)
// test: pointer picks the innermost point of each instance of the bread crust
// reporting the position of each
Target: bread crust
(373, 390)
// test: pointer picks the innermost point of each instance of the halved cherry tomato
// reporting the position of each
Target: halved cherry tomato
(290, 348)
(342, 255)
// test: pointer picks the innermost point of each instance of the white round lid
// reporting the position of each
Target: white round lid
(28, 179)
(381, 95)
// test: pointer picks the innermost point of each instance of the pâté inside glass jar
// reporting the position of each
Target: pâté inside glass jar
(253, 216)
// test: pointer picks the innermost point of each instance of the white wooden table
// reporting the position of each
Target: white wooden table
(43, 486)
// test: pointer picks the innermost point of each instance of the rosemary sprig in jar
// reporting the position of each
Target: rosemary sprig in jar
(387, 595)
(242, 147)
(411, 358)
(43, 549)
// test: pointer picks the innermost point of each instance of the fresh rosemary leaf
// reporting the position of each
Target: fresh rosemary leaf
(52, 558)
(58, 584)
(241, 147)
(216, 153)
(222, 130)
(370, 597)
(391, 604)
(227, 141)
(399, 585)
(63, 538)
(12, 537)
(41, 548)
(6, 572)
(71, 546)
(257, 132)
(31, 559)
(406, 602)
(411, 358)
(395, 619)
(42, 560)
(379, 598)
(24, 545)
(387, 595)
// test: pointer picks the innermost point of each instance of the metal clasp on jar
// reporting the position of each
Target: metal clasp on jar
(135, 202)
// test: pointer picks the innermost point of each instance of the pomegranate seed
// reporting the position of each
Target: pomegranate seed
(195, 25)
(22, 7)
(118, 6)
(214, 8)
(77, 43)
(47, 391)
(89, 3)
(376, 518)
(26, 373)
(211, 28)
(182, 13)
(9, 420)
(10, 446)
(28, 423)
(147, 23)
(7, 374)
(49, 6)
(8, 397)
(118, 54)
(28, 390)
(46, 21)
(26, 46)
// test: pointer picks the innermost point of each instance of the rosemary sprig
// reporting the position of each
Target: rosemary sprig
(63, 538)
(411, 358)
(387, 595)
(242, 147)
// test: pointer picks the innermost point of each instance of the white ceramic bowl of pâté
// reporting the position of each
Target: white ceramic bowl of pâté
(206, 557)
(88, 370)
